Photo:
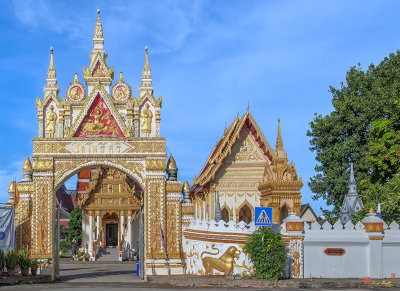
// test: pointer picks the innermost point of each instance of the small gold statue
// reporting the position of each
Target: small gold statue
(146, 116)
(51, 119)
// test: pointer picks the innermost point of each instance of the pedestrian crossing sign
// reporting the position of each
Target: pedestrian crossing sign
(263, 216)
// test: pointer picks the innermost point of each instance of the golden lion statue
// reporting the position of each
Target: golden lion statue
(224, 263)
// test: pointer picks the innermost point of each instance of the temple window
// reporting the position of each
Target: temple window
(225, 214)
(245, 214)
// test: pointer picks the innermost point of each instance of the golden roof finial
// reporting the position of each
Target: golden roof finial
(121, 77)
(146, 59)
(185, 186)
(51, 67)
(11, 188)
(248, 105)
(279, 141)
(76, 78)
(98, 33)
(27, 164)
(171, 163)
(371, 210)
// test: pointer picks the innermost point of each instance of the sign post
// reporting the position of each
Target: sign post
(263, 216)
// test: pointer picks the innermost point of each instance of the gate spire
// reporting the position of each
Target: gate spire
(98, 40)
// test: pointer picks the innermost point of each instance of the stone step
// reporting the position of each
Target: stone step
(108, 254)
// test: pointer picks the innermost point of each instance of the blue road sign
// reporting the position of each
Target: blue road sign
(263, 216)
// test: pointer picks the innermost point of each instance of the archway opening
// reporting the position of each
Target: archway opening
(110, 203)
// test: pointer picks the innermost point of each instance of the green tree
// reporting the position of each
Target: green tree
(267, 253)
(365, 111)
(75, 226)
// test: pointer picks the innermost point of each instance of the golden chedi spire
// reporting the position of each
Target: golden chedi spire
(121, 78)
(27, 164)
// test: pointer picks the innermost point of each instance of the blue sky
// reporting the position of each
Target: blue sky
(208, 58)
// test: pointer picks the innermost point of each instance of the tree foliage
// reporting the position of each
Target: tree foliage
(267, 253)
(75, 226)
(362, 128)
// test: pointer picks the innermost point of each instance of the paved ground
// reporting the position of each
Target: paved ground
(122, 276)
(94, 272)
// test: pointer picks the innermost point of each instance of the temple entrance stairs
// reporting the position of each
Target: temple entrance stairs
(108, 254)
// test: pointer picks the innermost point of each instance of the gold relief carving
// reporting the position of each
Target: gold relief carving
(26, 188)
(294, 226)
(43, 165)
(51, 119)
(134, 167)
(296, 264)
(95, 126)
(150, 147)
(373, 226)
(63, 166)
(187, 210)
(173, 229)
(146, 117)
(43, 217)
(156, 165)
(49, 147)
(155, 218)
(224, 264)
(173, 188)
(245, 150)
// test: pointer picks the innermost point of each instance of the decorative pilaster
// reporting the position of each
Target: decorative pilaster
(374, 228)
(293, 231)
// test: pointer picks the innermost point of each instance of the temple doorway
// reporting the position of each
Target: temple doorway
(112, 234)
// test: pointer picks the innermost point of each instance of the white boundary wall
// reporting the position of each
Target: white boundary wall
(367, 254)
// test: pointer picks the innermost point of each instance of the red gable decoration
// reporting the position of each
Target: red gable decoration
(98, 121)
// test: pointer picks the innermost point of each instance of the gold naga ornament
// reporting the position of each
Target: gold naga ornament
(146, 117)
(51, 119)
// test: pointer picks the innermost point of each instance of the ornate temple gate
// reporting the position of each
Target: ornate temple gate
(56, 160)
(100, 125)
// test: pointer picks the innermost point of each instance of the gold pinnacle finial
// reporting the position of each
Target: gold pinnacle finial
(371, 210)
(27, 164)
(238, 114)
(11, 188)
(121, 77)
(279, 141)
(76, 78)
(146, 58)
(185, 186)
(248, 105)
(51, 67)
(98, 31)
(171, 163)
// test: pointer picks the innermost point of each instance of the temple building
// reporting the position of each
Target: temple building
(246, 172)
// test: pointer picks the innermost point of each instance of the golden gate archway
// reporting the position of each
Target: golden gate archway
(100, 125)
